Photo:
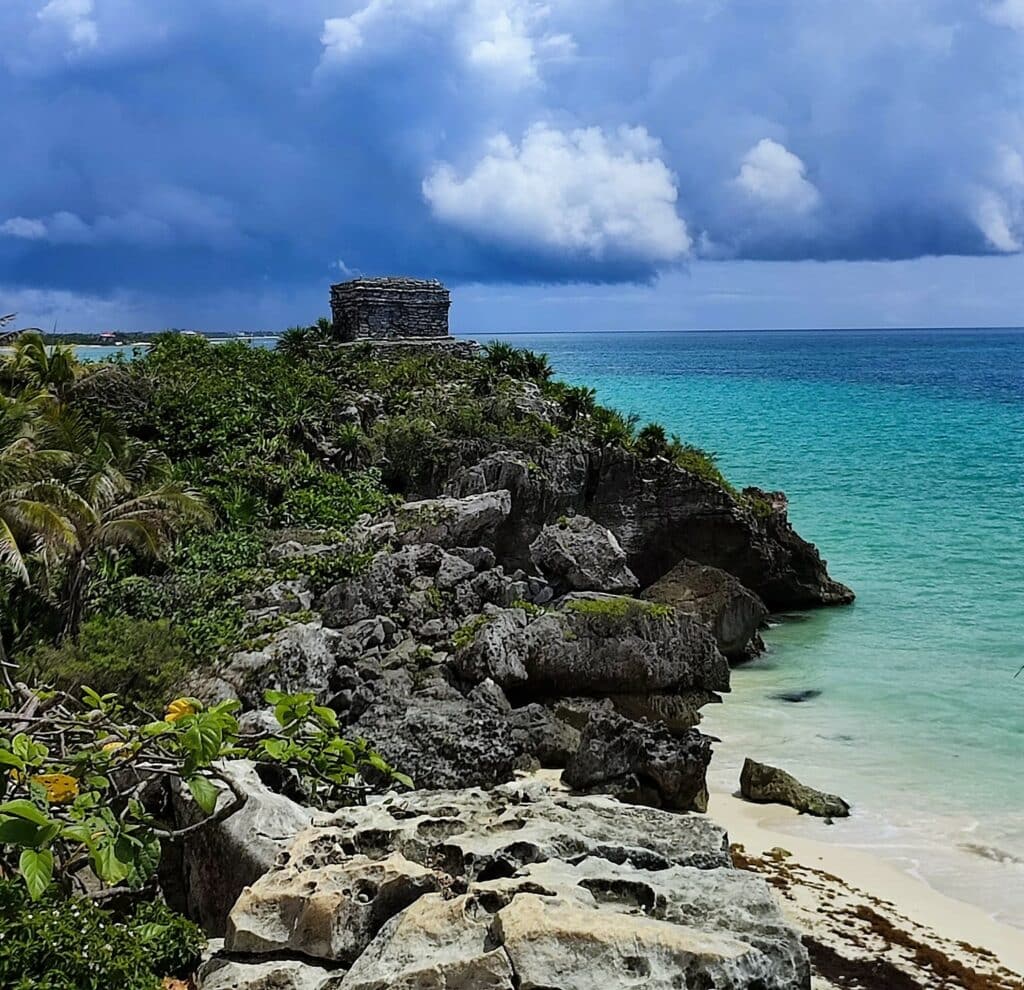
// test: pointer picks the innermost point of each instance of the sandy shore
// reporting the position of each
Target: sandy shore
(869, 924)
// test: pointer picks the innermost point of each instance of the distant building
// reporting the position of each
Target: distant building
(390, 309)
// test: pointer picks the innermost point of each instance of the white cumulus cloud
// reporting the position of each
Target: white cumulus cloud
(59, 228)
(75, 17)
(582, 192)
(505, 40)
(24, 228)
(772, 175)
(999, 207)
(1008, 12)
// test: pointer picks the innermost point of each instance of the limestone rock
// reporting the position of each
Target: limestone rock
(522, 887)
(733, 613)
(597, 645)
(579, 555)
(442, 742)
(332, 912)
(453, 522)
(766, 784)
(434, 943)
(223, 858)
(659, 513)
(478, 834)
(222, 973)
(295, 658)
(642, 763)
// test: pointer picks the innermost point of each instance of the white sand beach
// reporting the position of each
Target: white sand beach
(859, 907)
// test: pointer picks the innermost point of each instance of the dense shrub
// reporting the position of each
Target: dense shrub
(142, 661)
(56, 944)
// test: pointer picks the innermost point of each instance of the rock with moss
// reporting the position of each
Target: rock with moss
(733, 613)
(592, 644)
(577, 554)
(641, 763)
(769, 785)
(453, 522)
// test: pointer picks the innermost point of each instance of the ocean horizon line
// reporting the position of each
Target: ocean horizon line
(695, 330)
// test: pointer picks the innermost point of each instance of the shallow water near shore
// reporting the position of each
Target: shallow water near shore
(902, 453)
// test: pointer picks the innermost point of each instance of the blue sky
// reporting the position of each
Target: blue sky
(564, 164)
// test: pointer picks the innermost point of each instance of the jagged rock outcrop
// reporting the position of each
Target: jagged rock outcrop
(733, 613)
(517, 887)
(642, 763)
(770, 785)
(219, 861)
(594, 644)
(659, 513)
(577, 554)
(453, 522)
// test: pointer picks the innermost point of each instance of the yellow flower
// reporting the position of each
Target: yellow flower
(60, 787)
(179, 708)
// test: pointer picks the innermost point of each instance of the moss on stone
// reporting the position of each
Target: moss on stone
(466, 633)
(618, 608)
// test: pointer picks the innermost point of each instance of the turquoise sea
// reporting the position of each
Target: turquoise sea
(902, 453)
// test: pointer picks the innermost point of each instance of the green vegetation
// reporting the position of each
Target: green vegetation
(141, 660)
(149, 490)
(73, 792)
(73, 944)
(619, 608)
(138, 503)
(466, 633)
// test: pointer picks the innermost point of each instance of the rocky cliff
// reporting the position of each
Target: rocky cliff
(564, 606)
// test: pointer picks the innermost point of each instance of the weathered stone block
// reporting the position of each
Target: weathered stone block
(389, 309)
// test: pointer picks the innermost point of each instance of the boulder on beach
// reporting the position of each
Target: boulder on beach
(769, 785)
(732, 612)
(642, 763)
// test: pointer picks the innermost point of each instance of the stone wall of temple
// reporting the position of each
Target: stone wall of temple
(389, 309)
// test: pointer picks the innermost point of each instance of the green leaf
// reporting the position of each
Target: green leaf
(202, 742)
(36, 867)
(150, 932)
(8, 759)
(78, 833)
(205, 793)
(18, 832)
(156, 728)
(91, 698)
(24, 809)
(403, 778)
(326, 715)
(147, 859)
(276, 749)
(109, 868)
(273, 697)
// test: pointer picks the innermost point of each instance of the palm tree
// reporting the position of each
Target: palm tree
(119, 493)
(44, 368)
(29, 522)
(578, 402)
(652, 441)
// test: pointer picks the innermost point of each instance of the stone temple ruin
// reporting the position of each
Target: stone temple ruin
(390, 309)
